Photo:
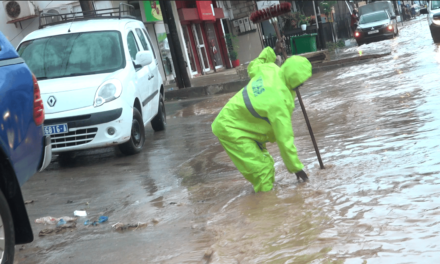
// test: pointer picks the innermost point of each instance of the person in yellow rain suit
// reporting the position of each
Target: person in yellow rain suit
(262, 112)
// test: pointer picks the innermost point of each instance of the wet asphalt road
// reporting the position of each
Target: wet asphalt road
(377, 201)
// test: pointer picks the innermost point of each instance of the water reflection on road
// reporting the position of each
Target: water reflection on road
(378, 128)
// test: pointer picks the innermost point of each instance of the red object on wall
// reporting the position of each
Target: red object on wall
(205, 11)
(235, 63)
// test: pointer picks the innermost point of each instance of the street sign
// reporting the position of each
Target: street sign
(152, 11)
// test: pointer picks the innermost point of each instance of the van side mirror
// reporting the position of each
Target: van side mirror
(423, 11)
(393, 17)
(143, 58)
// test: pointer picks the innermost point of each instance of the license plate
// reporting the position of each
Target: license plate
(55, 129)
(373, 32)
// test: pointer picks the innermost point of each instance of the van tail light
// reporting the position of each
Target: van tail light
(390, 27)
(38, 103)
(357, 34)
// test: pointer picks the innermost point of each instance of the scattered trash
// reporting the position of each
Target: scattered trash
(57, 230)
(173, 203)
(61, 222)
(52, 220)
(69, 201)
(155, 221)
(29, 202)
(102, 219)
(122, 226)
(80, 213)
(136, 203)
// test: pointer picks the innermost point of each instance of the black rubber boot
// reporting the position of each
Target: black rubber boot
(301, 174)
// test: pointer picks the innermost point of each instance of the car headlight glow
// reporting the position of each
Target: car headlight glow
(436, 20)
(108, 91)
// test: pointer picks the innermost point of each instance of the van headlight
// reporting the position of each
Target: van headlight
(108, 91)
(436, 20)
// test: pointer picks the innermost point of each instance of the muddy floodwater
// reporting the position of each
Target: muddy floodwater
(377, 125)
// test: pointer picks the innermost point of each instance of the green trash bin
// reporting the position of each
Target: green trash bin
(304, 43)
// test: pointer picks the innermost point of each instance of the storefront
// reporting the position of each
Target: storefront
(204, 38)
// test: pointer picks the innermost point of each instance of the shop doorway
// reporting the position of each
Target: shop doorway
(200, 47)
(189, 50)
(213, 45)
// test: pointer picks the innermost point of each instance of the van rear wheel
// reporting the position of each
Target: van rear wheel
(7, 233)
(137, 139)
(159, 122)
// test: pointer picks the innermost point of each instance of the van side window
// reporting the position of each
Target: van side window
(149, 41)
(142, 39)
(132, 45)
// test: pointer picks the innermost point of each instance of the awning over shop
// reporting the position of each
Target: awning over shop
(188, 15)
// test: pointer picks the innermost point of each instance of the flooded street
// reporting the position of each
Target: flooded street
(377, 125)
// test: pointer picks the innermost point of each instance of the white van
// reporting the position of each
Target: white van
(433, 12)
(99, 81)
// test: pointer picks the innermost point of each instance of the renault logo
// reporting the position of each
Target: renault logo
(51, 101)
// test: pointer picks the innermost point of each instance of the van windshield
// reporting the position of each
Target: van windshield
(73, 54)
(374, 17)
(435, 5)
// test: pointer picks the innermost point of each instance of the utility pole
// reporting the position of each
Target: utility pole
(87, 8)
(179, 63)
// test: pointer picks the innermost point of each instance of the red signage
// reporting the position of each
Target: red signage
(204, 8)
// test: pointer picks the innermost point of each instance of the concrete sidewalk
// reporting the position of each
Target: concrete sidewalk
(228, 81)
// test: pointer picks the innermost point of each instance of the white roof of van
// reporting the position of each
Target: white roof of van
(80, 26)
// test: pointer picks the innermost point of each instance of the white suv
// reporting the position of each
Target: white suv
(433, 12)
(100, 83)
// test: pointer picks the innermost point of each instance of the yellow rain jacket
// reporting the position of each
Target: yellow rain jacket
(262, 112)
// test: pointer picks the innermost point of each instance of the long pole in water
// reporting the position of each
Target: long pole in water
(298, 94)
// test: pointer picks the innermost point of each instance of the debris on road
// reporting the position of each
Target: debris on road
(155, 221)
(29, 202)
(61, 222)
(101, 220)
(208, 254)
(53, 220)
(57, 230)
(79, 213)
(122, 226)
(69, 201)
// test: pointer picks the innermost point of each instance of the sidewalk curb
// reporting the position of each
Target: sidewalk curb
(236, 86)
(202, 91)
(331, 65)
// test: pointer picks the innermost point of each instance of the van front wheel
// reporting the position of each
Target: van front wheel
(137, 139)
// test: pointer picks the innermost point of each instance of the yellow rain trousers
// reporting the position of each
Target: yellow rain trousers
(262, 112)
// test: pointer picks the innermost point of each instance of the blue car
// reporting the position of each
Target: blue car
(24, 149)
